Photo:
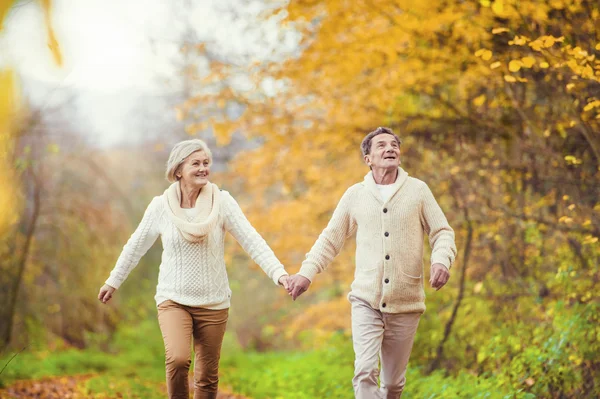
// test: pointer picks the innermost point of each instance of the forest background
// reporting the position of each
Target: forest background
(498, 106)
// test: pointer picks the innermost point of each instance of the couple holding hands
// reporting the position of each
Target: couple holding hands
(390, 213)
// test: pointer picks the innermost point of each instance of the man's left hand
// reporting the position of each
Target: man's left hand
(439, 276)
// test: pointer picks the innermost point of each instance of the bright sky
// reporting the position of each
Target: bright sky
(120, 52)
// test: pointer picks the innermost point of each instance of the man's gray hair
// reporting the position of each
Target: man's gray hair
(180, 152)
(365, 146)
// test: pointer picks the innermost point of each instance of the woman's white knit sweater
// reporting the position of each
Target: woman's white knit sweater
(389, 242)
(194, 274)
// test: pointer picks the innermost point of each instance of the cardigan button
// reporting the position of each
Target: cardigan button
(386, 234)
(387, 257)
(384, 210)
(387, 280)
(383, 305)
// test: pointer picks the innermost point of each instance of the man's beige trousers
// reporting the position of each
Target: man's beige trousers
(380, 336)
(178, 324)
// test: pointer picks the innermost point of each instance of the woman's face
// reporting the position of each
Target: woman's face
(194, 170)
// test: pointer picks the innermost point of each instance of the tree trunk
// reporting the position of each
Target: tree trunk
(461, 289)
(20, 264)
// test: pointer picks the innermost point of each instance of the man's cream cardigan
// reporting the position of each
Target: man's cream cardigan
(389, 242)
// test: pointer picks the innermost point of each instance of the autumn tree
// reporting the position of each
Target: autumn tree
(497, 103)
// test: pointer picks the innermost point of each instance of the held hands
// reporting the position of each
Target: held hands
(106, 292)
(295, 285)
(439, 276)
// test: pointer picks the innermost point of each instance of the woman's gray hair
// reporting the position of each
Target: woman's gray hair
(365, 146)
(180, 152)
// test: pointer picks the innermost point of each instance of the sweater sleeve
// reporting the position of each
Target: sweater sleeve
(240, 228)
(441, 235)
(138, 244)
(331, 240)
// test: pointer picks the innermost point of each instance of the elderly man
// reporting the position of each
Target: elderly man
(390, 213)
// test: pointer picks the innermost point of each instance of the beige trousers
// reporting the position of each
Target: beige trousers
(381, 337)
(178, 324)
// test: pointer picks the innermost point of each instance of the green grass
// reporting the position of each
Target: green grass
(134, 368)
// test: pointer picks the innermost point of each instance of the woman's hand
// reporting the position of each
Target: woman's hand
(284, 280)
(106, 292)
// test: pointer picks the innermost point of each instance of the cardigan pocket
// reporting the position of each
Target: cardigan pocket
(412, 290)
(407, 278)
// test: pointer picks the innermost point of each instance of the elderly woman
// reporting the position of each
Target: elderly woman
(193, 291)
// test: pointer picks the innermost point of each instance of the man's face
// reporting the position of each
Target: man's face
(385, 152)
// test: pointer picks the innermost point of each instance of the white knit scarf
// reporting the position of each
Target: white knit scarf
(207, 206)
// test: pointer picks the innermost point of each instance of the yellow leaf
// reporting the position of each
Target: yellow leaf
(509, 78)
(549, 41)
(592, 105)
(479, 52)
(487, 55)
(485, 3)
(495, 65)
(570, 86)
(477, 287)
(565, 219)
(479, 100)
(498, 7)
(528, 62)
(544, 65)
(496, 31)
(222, 132)
(519, 40)
(598, 46)
(52, 42)
(514, 65)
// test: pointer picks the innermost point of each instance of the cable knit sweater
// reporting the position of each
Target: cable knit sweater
(194, 274)
(389, 242)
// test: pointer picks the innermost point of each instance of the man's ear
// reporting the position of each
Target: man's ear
(367, 159)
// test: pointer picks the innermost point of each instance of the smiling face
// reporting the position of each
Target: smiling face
(194, 170)
(384, 152)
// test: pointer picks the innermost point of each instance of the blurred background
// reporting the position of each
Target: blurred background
(498, 106)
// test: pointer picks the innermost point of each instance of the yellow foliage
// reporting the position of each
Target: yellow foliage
(527, 62)
(9, 202)
(420, 72)
(52, 42)
(514, 65)
(479, 100)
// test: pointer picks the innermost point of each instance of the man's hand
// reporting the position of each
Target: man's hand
(285, 282)
(106, 292)
(439, 276)
(298, 285)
